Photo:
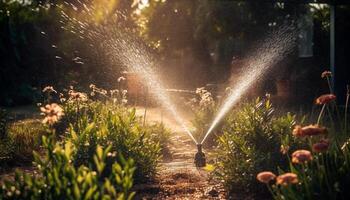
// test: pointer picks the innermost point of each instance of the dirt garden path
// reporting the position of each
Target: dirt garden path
(178, 178)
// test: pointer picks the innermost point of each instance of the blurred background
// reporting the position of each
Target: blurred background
(198, 43)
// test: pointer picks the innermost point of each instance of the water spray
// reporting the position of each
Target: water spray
(122, 47)
(273, 50)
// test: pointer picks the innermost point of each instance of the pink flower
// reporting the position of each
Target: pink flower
(265, 177)
(287, 179)
(321, 146)
(49, 89)
(310, 130)
(77, 96)
(53, 112)
(324, 99)
(301, 156)
(326, 74)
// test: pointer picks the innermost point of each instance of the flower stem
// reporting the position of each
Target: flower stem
(331, 118)
(274, 196)
(346, 108)
(321, 113)
(329, 85)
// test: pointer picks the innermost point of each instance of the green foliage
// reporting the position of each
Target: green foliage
(58, 178)
(161, 135)
(204, 109)
(22, 138)
(325, 177)
(115, 126)
(251, 143)
(108, 122)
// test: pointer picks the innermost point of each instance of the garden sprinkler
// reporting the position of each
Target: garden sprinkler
(199, 158)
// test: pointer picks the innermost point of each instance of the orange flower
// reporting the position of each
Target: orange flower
(286, 179)
(321, 146)
(265, 177)
(301, 156)
(53, 112)
(310, 130)
(326, 74)
(324, 99)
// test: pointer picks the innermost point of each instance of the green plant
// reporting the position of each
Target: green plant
(204, 109)
(324, 173)
(108, 122)
(58, 178)
(252, 142)
(118, 127)
(78, 104)
(161, 135)
(22, 138)
(325, 177)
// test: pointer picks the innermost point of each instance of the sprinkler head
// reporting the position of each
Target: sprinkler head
(199, 158)
(199, 147)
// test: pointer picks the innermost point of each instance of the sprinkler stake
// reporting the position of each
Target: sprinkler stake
(199, 158)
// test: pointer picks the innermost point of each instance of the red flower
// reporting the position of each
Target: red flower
(324, 99)
(310, 130)
(265, 177)
(301, 156)
(321, 146)
(286, 179)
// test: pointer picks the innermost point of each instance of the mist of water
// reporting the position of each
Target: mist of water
(258, 65)
(122, 46)
(139, 60)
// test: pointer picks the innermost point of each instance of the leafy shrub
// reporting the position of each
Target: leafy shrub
(58, 178)
(161, 135)
(107, 125)
(22, 138)
(204, 109)
(77, 105)
(108, 122)
(325, 177)
(251, 142)
(324, 171)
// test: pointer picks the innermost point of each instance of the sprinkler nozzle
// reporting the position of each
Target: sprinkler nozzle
(199, 158)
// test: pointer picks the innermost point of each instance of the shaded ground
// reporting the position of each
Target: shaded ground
(178, 178)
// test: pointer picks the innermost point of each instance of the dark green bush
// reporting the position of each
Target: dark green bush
(58, 178)
(204, 109)
(118, 127)
(326, 172)
(321, 169)
(251, 143)
(327, 176)
(161, 135)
